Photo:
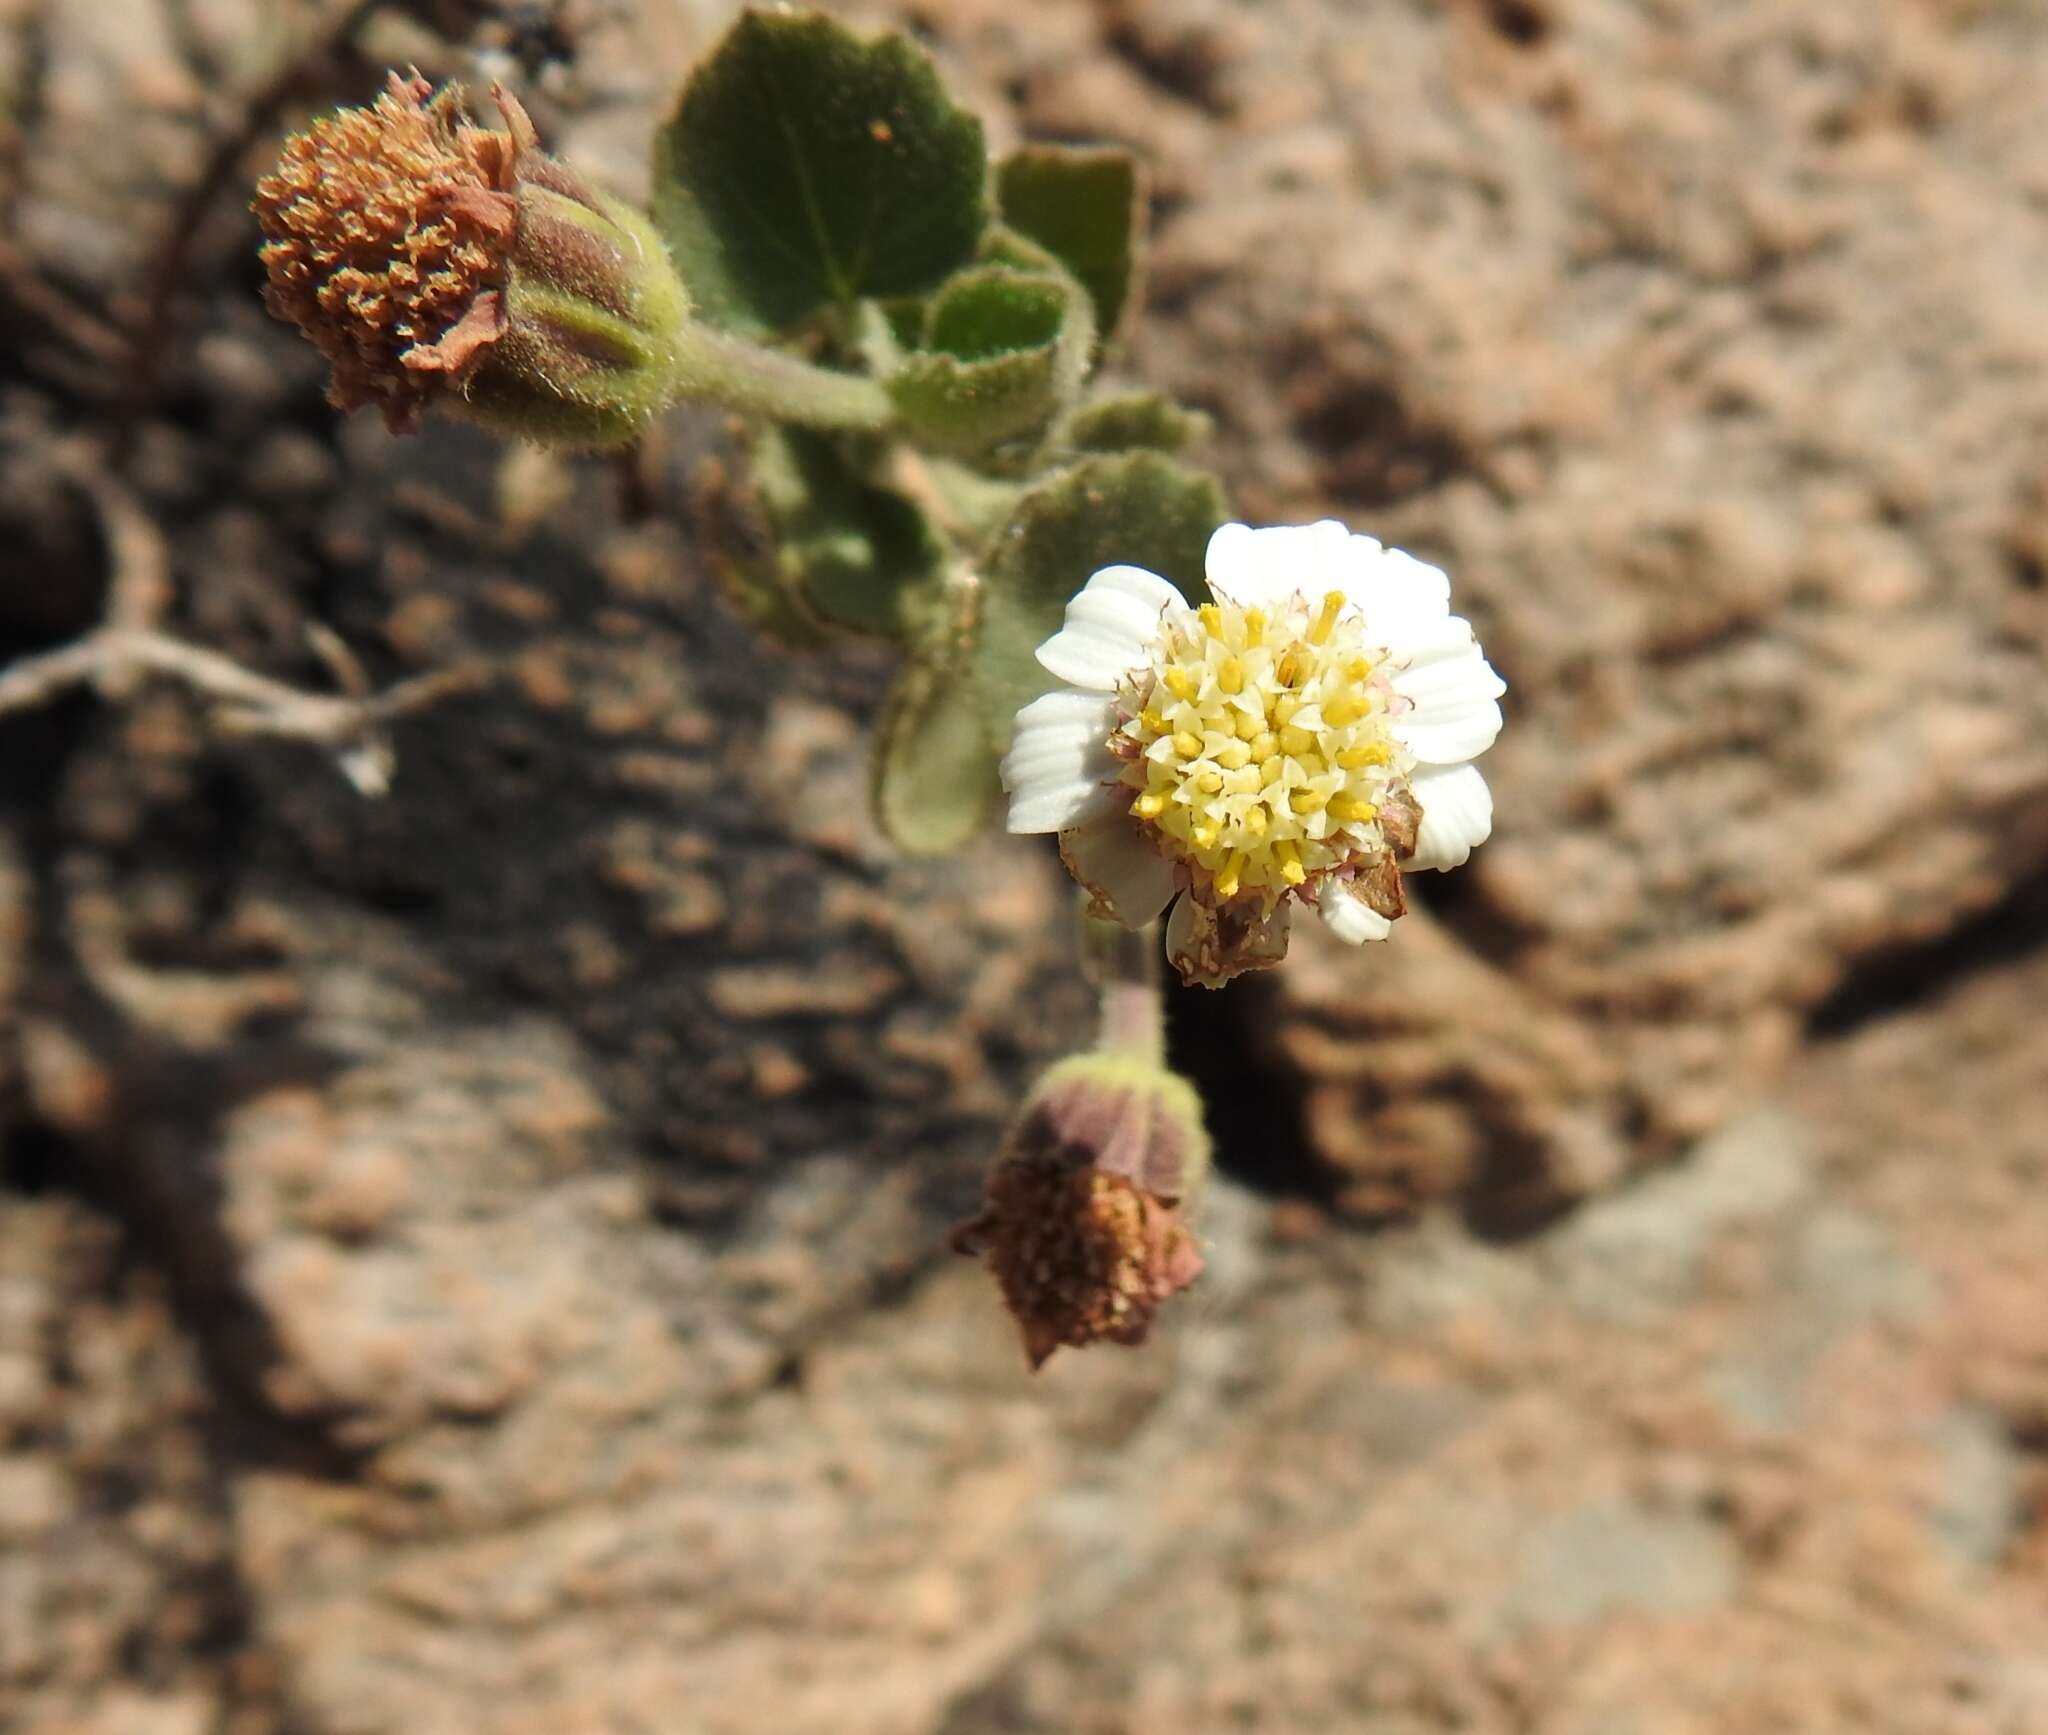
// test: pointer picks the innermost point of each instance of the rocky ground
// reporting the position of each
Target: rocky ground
(474, 1260)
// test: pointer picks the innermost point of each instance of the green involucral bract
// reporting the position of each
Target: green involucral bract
(589, 355)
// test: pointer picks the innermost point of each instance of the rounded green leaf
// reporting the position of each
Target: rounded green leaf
(1133, 422)
(1004, 352)
(1084, 206)
(935, 770)
(736, 538)
(807, 166)
(851, 554)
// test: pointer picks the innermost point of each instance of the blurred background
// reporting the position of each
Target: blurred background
(475, 1260)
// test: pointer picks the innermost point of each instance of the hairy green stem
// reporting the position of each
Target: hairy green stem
(743, 376)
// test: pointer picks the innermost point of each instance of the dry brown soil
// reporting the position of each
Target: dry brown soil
(475, 1261)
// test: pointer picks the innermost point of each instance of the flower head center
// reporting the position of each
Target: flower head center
(1257, 744)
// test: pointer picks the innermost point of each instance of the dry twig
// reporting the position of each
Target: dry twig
(129, 645)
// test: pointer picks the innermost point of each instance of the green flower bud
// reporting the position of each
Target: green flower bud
(1085, 1218)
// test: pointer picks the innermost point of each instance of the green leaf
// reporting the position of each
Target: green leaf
(1004, 351)
(1134, 422)
(903, 319)
(1139, 508)
(736, 535)
(993, 310)
(848, 553)
(1086, 207)
(1002, 245)
(970, 502)
(807, 167)
(935, 771)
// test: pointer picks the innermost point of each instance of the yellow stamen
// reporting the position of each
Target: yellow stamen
(1372, 753)
(1251, 723)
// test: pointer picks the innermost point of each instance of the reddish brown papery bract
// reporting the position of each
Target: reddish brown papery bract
(1083, 1222)
(1081, 1256)
(388, 234)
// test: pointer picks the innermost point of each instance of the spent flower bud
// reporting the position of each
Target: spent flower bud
(1085, 1217)
(432, 260)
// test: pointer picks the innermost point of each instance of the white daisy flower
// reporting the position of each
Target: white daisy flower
(1301, 739)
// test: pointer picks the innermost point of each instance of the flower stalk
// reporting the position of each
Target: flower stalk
(714, 368)
(1123, 965)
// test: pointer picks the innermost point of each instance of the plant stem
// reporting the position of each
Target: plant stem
(743, 376)
(1123, 963)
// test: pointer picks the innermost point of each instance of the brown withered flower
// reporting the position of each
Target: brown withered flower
(389, 234)
(436, 261)
(1084, 1221)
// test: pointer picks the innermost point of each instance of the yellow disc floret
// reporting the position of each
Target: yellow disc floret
(1257, 747)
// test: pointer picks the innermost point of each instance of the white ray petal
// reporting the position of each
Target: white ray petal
(1457, 814)
(1350, 918)
(1056, 806)
(1401, 597)
(1109, 628)
(1059, 761)
(1259, 568)
(1452, 692)
(1445, 737)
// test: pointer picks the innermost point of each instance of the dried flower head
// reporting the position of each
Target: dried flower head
(389, 234)
(1085, 1217)
(1305, 737)
(434, 261)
